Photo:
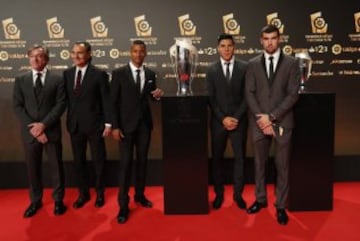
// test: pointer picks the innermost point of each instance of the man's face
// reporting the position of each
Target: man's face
(270, 42)
(79, 55)
(226, 49)
(137, 54)
(38, 59)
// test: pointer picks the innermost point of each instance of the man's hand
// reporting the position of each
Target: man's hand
(107, 131)
(230, 123)
(157, 93)
(263, 121)
(269, 131)
(36, 129)
(42, 138)
(117, 134)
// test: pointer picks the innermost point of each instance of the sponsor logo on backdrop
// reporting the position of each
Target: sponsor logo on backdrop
(143, 31)
(12, 35)
(99, 33)
(231, 26)
(56, 34)
(319, 29)
(186, 25)
(273, 19)
(356, 36)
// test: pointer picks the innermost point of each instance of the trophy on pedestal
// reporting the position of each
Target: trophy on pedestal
(305, 64)
(184, 57)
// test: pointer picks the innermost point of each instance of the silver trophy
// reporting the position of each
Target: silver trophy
(305, 64)
(184, 57)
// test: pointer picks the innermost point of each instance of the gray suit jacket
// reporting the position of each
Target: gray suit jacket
(277, 98)
(49, 109)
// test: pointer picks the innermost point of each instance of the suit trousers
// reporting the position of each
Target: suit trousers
(219, 137)
(33, 158)
(282, 157)
(140, 140)
(96, 141)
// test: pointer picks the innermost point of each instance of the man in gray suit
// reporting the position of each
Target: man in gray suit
(226, 85)
(39, 101)
(272, 83)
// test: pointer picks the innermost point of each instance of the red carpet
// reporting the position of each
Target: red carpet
(229, 223)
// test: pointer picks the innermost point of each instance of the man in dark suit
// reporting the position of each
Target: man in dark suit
(131, 87)
(226, 85)
(39, 101)
(272, 83)
(87, 92)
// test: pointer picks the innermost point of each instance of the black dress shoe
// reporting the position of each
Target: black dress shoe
(32, 209)
(59, 208)
(218, 201)
(256, 207)
(240, 201)
(282, 217)
(80, 202)
(100, 200)
(123, 215)
(143, 201)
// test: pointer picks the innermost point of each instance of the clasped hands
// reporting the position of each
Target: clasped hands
(37, 131)
(265, 124)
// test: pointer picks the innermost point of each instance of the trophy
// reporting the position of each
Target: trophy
(184, 57)
(305, 64)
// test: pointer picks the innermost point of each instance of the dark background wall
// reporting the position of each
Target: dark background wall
(331, 33)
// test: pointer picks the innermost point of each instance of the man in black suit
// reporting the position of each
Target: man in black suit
(87, 92)
(39, 101)
(131, 87)
(272, 83)
(226, 84)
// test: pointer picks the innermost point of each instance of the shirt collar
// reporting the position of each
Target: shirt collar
(276, 55)
(223, 62)
(134, 68)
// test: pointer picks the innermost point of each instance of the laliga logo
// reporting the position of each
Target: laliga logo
(10, 29)
(187, 27)
(54, 28)
(99, 30)
(318, 23)
(357, 22)
(273, 19)
(142, 26)
(231, 26)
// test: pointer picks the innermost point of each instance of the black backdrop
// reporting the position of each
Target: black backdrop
(111, 25)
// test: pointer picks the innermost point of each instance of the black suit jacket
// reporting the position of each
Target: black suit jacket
(49, 109)
(224, 99)
(128, 107)
(88, 111)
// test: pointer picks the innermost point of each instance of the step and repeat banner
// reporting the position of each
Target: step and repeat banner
(329, 32)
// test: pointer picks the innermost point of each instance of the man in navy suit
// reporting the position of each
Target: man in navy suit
(39, 102)
(131, 87)
(272, 83)
(226, 85)
(87, 92)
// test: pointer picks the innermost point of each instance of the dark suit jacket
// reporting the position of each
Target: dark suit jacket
(88, 111)
(49, 109)
(224, 99)
(277, 98)
(128, 107)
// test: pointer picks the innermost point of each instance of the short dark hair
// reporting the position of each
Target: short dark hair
(87, 45)
(270, 29)
(139, 42)
(38, 46)
(225, 36)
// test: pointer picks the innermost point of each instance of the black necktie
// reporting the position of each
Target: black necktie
(227, 74)
(38, 86)
(138, 81)
(271, 69)
(77, 83)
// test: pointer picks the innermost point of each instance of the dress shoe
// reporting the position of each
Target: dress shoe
(240, 201)
(256, 207)
(80, 202)
(32, 209)
(100, 200)
(218, 201)
(59, 208)
(123, 215)
(282, 217)
(143, 201)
